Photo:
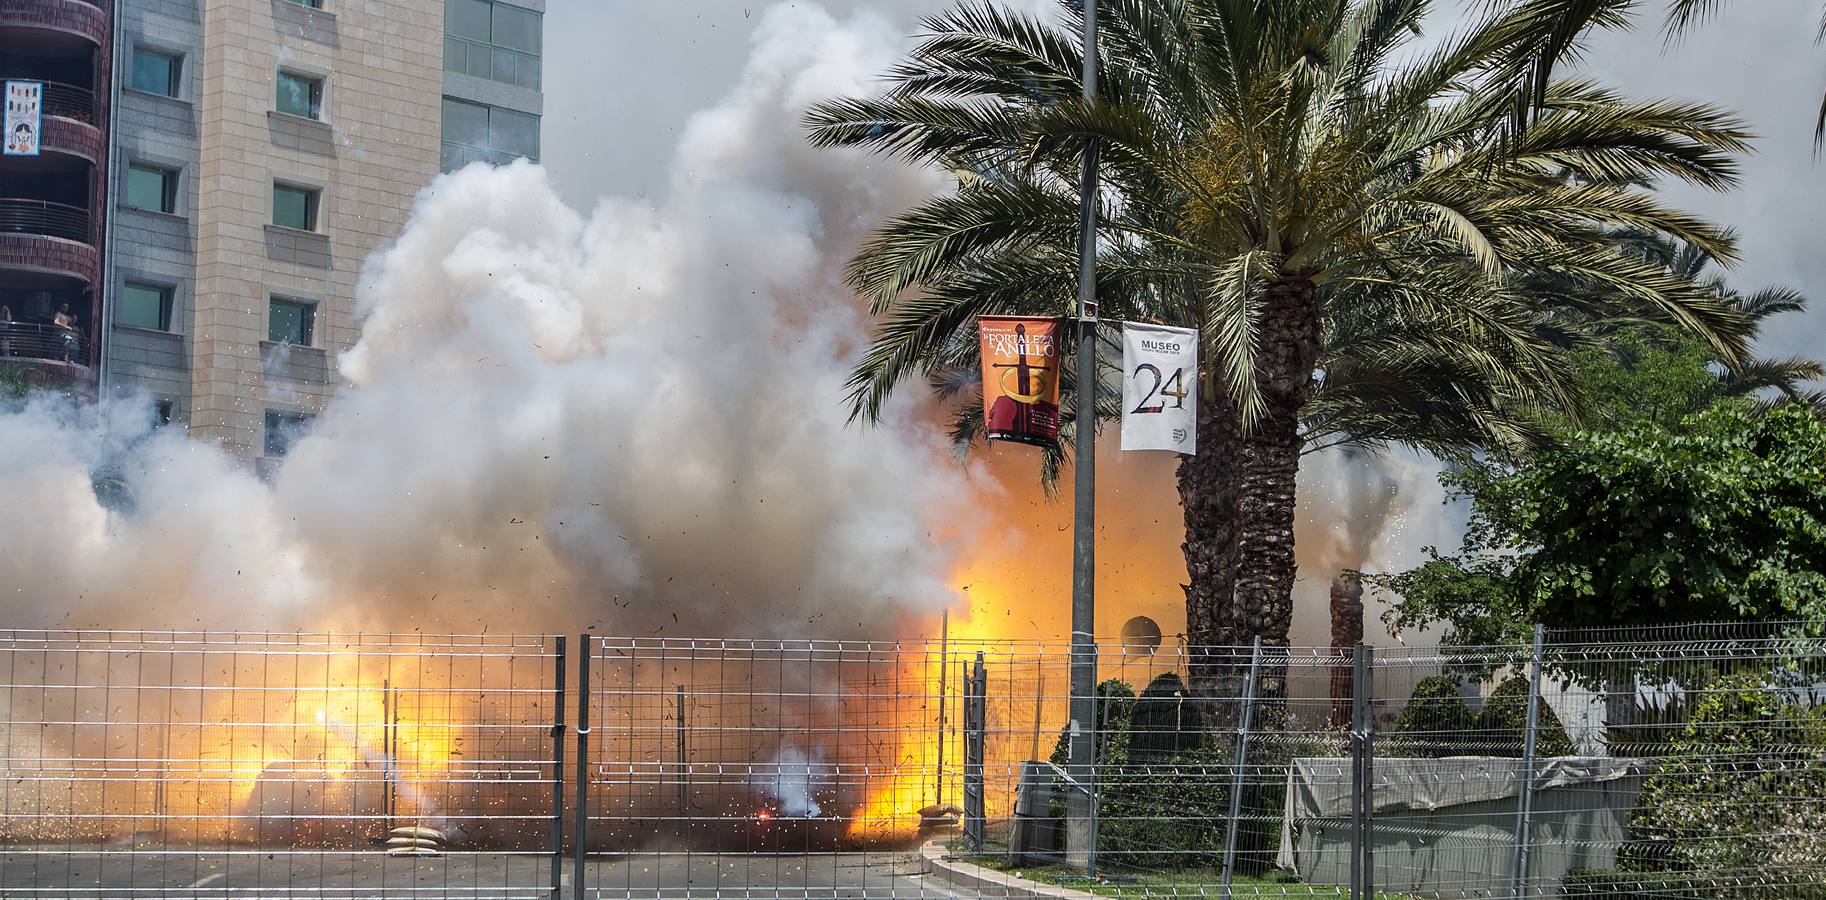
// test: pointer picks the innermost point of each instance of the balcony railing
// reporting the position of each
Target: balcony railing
(65, 100)
(27, 340)
(59, 220)
(69, 101)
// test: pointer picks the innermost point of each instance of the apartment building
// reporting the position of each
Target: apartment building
(214, 174)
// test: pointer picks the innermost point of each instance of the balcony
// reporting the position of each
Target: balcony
(66, 100)
(28, 341)
(44, 238)
(42, 217)
(84, 19)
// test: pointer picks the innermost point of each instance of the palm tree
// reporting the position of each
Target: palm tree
(1572, 17)
(1353, 236)
(1767, 381)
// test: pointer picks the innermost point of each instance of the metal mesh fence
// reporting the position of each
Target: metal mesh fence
(1679, 762)
(204, 764)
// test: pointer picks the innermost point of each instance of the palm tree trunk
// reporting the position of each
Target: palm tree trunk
(1208, 495)
(1270, 462)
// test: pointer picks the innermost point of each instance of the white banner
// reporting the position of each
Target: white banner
(24, 117)
(1159, 388)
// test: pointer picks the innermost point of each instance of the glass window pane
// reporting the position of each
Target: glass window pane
(290, 322)
(529, 72)
(145, 306)
(468, 18)
(456, 55)
(299, 95)
(513, 132)
(147, 188)
(465, 123)
(292, 207)
(504, 67)
(154, 73)
(481, 61)
(516, 28)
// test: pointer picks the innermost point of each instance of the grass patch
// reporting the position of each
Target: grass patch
(1184, 883)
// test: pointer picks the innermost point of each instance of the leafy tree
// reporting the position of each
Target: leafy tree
(1659, 375)
(1723, 519)
(1360, 233)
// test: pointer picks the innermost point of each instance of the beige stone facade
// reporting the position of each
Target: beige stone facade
(373, 146)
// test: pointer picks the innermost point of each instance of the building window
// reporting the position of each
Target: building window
(299, 95)
(294, 207)
(290, 322)
(497, 41)
(152, 188)
(313, 4)
(144, 306)
(155, 72)
(161, 413)
(282, 430)
(473, 131)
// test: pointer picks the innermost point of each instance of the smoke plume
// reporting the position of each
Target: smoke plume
(630, 419)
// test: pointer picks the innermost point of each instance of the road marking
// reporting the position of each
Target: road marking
(208, 880)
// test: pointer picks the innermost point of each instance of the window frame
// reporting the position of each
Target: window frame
(486, 152)
(307, 320)
(275, 424)
(318, 88)
(167, 302)
(168, 180)
(174, 69)
(490, 47)
(313, 205)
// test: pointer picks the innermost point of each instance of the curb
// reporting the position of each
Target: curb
(988, 882)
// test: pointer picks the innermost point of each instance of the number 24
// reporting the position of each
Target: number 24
(1169, 386)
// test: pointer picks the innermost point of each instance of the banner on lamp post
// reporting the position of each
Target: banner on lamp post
(1021, 379)
(24, 117)
(1159, 388)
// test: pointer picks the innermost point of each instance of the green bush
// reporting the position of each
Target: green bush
(1433, 723)
(1165, 813)
(1167, 721)
(1738, 796)
(1115, 706)
(1503, 724)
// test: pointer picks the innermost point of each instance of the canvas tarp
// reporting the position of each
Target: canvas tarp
(1446, 827)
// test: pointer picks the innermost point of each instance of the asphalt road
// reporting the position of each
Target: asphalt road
(124, 871)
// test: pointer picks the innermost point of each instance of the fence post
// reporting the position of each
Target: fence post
(976, 688)
(1241, 762)
(583, 765)
(558, 777)
(684, 766)
(1524, 815)
(1359, 770)
(1367, 678)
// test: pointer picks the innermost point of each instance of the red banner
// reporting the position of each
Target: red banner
(1021, 379)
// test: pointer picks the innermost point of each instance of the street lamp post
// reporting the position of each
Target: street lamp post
(1081, 806)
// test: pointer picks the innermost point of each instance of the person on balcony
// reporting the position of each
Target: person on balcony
(65, 323)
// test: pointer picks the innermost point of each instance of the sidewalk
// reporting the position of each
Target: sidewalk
(988, 882)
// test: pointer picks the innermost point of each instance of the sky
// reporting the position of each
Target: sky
(623, 76)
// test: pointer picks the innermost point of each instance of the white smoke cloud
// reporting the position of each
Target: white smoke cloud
(791, 778)
(633, 418)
